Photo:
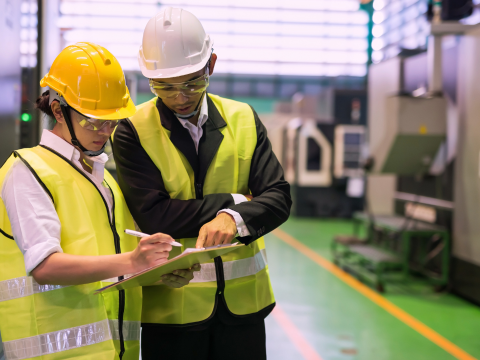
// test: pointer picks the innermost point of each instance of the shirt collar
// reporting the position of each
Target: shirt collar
(66, 149)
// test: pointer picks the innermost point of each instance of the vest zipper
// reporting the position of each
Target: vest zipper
(116, 241)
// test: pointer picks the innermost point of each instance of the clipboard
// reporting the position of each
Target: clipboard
(183, 261)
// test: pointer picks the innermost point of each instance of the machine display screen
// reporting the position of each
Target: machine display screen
(352, 139)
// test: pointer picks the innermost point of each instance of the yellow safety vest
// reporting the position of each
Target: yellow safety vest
(58, 322)
(245, 271)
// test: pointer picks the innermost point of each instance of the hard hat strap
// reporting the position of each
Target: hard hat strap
(74, 140)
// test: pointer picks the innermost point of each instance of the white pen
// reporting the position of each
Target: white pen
(140, 234)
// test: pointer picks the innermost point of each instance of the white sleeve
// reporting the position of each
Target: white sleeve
(242, 229)
(239, 198)
(34, 220)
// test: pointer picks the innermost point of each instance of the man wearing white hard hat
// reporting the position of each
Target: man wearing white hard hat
(201, 169)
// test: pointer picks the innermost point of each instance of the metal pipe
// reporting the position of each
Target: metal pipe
(434, 55)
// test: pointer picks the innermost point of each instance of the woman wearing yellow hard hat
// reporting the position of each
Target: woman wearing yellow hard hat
(62, 222)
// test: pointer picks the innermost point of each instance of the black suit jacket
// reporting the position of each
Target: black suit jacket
(153, 209)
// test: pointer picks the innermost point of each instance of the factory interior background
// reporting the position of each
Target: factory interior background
(373, 110)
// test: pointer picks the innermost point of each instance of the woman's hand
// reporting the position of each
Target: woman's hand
(180, 278)
(151, 251)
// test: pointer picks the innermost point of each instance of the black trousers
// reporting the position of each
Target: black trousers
(217, 339)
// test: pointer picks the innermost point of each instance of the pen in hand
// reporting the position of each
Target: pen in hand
(140, 234)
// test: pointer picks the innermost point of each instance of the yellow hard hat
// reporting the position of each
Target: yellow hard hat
(91, 81)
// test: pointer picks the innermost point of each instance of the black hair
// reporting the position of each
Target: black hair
(42, 104)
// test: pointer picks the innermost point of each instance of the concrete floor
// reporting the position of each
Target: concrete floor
(321, 316)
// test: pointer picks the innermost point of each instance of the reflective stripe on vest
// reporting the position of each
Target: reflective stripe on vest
(23, 286)
(68, 339)
(26, 285)
(233, 269)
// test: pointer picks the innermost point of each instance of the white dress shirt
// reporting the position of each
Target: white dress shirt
(196, 132)
(35, 223)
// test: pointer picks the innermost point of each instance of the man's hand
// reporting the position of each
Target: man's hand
(150, 251)
(221, 230)
(180, 278)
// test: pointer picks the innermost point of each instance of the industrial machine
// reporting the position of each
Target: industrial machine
(423, 140)
(322, 153)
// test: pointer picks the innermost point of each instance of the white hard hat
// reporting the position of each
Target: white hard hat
(174, 44)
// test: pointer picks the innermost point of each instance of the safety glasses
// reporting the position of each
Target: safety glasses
(96, 125)
(188, 89)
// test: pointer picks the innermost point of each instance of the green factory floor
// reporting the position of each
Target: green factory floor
(321, 317)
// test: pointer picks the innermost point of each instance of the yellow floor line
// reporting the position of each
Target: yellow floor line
(378, 299)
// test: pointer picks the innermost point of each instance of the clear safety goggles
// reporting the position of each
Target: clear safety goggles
(95, 124)
(188, 88)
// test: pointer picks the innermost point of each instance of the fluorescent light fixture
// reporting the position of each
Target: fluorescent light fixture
(342, 5)
(33, 20)
(394, 36)
(379, 4)
(395, 21)
(272, 68)
(33, 8)
(337, 5)
(25, 9)
(410, 29)
(305, 37)
(105, 36)
(410, 13)
(24, 47)
(24, 34)
(24, 61)
(25, 21)
(28, 47)
(359, 18)
(410, 42)
(283, 42)
(378, 43)
(407, 3)
(377, 56)
(378, 30)
(378, 17)
(287, 55)
(32, 47)
(32, 61)
(395, 7)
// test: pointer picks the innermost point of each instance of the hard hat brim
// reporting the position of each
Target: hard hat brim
(109, 114)
(171, 72)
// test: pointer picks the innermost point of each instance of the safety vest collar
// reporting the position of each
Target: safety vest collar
(209, 145)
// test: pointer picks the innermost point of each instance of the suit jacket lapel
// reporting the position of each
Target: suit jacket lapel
(210, 141)
(179, 136)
